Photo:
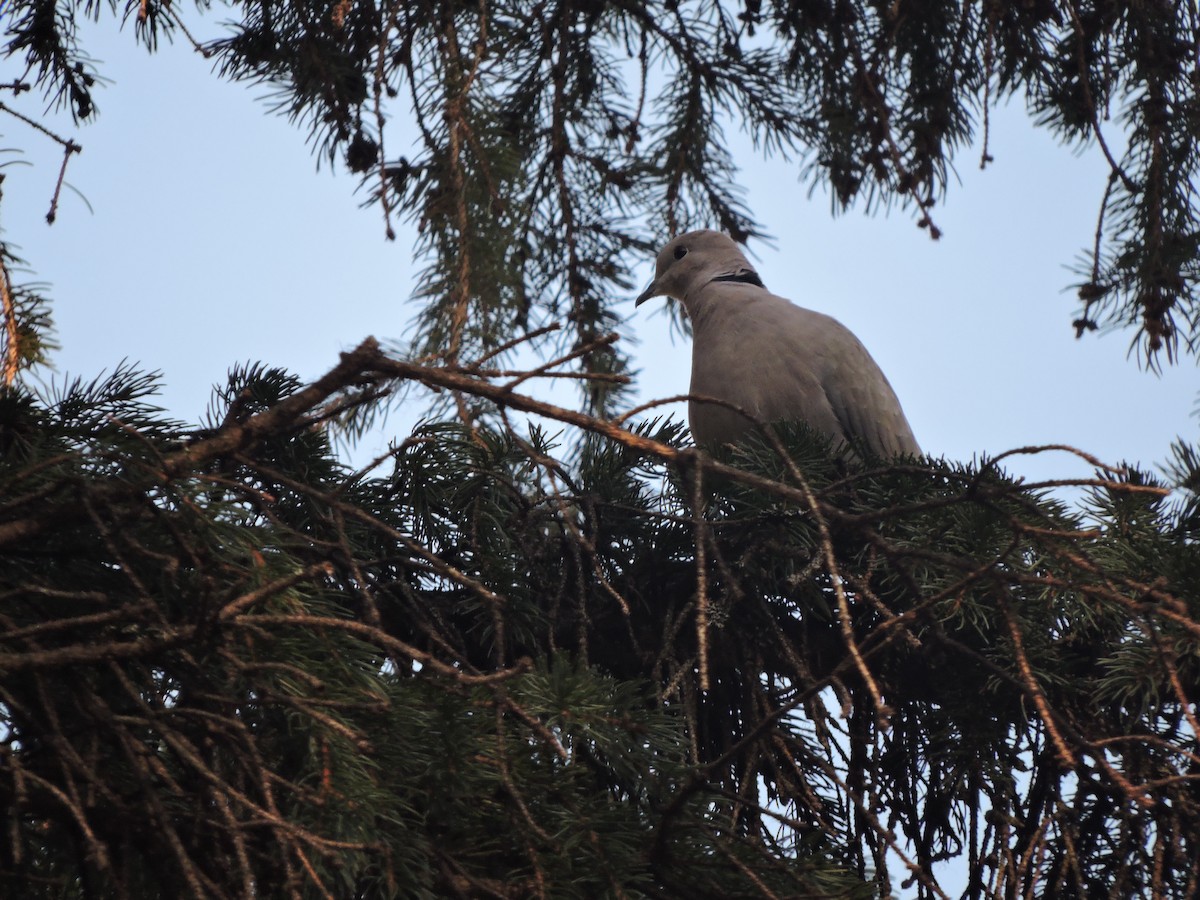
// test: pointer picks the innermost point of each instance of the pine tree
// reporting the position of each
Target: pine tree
(501, 663)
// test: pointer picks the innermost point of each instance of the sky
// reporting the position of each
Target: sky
(208, 238)
(212, 239)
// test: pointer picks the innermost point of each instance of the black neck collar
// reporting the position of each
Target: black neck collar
(745, 276)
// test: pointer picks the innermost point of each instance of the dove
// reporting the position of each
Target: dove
(772, 360)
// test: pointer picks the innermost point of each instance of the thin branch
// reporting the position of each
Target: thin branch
(12, 332)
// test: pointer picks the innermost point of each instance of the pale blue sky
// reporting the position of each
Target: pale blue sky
(213, 241)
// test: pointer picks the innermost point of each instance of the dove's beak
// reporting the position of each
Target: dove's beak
(651, 291)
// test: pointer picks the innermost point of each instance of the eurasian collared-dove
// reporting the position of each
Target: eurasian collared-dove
(775, 360)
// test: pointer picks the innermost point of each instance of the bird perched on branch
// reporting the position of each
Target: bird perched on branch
(771, 359)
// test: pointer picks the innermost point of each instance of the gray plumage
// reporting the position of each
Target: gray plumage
(773, 359)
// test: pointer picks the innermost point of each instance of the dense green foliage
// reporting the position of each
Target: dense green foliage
(494, 665)
(235, 668)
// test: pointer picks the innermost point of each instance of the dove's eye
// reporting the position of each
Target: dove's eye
(680, 252)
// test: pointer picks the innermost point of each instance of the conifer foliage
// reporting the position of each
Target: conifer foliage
(540, 651)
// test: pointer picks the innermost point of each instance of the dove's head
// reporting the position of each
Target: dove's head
(692, 260)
